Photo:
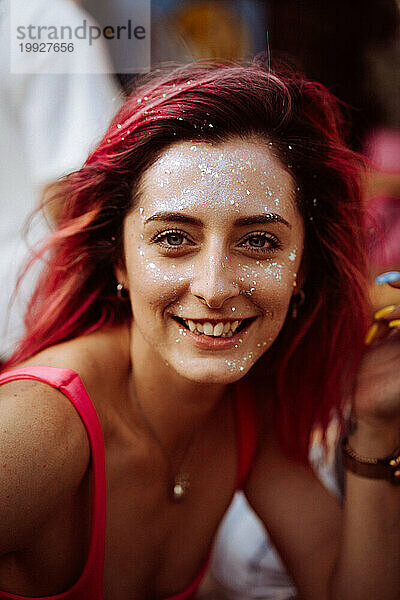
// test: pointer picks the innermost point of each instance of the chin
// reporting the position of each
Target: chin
(222, 375)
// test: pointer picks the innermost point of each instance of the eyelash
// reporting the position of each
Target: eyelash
(274, 242)
(162, 235)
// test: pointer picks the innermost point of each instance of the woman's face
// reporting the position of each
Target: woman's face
(212, 251)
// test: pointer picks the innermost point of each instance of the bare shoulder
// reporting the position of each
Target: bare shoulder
(99, 358)
(44, 454)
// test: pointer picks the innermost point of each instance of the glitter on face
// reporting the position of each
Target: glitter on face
(216, 185)
(292, 255)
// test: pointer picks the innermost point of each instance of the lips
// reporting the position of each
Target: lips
(213, 328)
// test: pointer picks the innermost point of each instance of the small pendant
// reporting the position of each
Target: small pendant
(181, 485)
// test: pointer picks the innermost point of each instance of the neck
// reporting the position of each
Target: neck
(175, 406)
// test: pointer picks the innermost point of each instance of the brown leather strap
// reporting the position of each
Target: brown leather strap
(375, 468)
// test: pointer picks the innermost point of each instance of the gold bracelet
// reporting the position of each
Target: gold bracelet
(375, 468)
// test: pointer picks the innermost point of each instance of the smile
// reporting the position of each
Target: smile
(221, 329)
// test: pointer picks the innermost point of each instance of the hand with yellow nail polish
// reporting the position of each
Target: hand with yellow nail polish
(377, 390)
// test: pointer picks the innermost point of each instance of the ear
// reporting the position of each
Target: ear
(121, 275)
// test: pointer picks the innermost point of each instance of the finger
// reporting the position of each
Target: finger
(387, 313)
(383, 328)
(390, 277)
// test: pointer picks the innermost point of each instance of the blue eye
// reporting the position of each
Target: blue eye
(257, 241)
(174, 239)
(261, 241)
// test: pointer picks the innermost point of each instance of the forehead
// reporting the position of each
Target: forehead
(235, 175)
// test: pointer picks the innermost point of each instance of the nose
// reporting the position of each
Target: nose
(213, 281)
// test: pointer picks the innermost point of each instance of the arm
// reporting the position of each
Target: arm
(300, 515)
(331, 554)
(335, 554)
(44, 453)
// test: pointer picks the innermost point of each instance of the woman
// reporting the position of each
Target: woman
(206, 283)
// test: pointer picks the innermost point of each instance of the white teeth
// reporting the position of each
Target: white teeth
(208, 329)
(218, 329)
(234, 325)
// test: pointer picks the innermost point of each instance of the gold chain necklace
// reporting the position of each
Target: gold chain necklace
(180, 480)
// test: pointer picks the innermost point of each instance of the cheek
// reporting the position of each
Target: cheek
(269, 285)
(155, 283)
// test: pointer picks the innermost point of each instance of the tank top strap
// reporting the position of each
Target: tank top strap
(246, 431)
(71, 385)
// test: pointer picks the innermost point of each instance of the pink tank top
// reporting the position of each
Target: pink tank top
(90, 583)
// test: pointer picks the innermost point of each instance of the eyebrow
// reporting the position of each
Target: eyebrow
(252, 220)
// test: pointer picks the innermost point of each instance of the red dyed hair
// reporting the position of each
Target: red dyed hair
(312, 363)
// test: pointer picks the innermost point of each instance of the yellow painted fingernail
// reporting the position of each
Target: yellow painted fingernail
(394, 323)
(371, 333)
(386, 310)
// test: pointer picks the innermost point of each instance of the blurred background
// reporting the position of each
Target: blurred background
(49, 123)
